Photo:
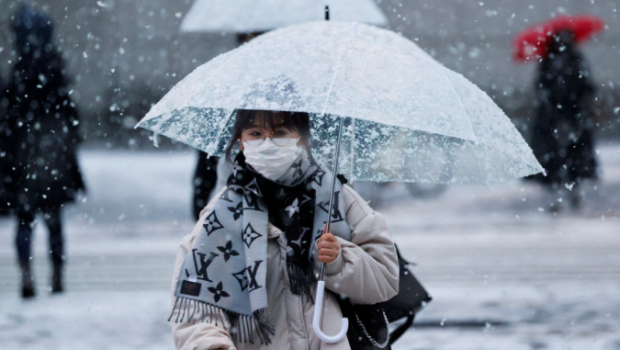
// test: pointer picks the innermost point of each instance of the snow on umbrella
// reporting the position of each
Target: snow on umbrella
(249, 16)
(406, 117)
(531, 43)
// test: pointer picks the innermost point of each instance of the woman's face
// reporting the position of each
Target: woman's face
(259, 131)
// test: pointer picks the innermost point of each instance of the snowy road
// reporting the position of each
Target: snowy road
(488, 256)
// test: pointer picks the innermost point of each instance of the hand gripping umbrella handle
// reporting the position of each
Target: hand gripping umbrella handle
(316, 322)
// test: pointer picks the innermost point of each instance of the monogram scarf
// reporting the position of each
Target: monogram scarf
(225, 272)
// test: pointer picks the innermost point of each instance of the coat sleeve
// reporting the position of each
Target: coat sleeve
(196, 334)
(366, 269)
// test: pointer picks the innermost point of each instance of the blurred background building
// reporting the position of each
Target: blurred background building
(124, 55)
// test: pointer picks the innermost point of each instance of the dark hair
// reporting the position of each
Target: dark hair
(33, 30)
(295, 121)
(243, 38)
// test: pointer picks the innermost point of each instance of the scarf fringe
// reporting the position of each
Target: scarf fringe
(244, 328)
(241, 327)
(301, 281)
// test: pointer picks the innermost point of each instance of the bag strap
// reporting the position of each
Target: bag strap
(372, 340)
(400, 330)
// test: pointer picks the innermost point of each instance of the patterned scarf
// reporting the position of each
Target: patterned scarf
(225, 272)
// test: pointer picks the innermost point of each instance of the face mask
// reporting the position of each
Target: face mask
(272, 159)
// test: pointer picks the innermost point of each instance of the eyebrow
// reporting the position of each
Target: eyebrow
(275, 125)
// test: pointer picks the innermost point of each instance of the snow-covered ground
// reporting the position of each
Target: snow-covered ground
(504, 273)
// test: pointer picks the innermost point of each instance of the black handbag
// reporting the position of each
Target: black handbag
(368, 324)
(411, 298)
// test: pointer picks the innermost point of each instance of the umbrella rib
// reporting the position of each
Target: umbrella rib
(352, 138)
(331, 85)
(223, 126)
(329, 93)
(482, 174)
(462, 106)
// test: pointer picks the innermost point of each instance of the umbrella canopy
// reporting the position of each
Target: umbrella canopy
(248, 16)
(531, 43)
(407, 118)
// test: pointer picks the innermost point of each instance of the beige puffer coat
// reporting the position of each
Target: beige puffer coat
(366, 270)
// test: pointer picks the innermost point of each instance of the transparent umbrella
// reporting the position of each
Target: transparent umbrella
(403, 112)
(391, 108)
(249, 16)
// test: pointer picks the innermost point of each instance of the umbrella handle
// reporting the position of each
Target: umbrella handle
(318, 310)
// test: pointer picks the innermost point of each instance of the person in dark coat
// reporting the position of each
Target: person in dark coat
(205, 178)
(4, 137)
(43, 132)
(563, 133)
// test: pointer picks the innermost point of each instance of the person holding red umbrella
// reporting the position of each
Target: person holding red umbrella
(563, 131)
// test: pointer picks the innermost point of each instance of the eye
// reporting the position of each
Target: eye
(252, 133)
(282, 132)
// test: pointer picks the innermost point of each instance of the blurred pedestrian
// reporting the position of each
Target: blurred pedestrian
(4, 138)
(563, 131)
(42, 125)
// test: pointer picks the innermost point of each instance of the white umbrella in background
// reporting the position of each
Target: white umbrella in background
(250, 16)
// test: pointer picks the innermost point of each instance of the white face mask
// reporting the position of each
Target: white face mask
(272, 159)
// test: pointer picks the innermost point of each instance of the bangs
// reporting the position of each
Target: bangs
(269, 120)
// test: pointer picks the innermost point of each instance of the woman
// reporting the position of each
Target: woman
(245, 277)
(42, 125)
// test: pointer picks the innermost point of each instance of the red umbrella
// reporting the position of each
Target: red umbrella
(531, 43)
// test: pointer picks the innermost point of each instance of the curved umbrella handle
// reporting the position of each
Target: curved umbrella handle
(316, 321)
